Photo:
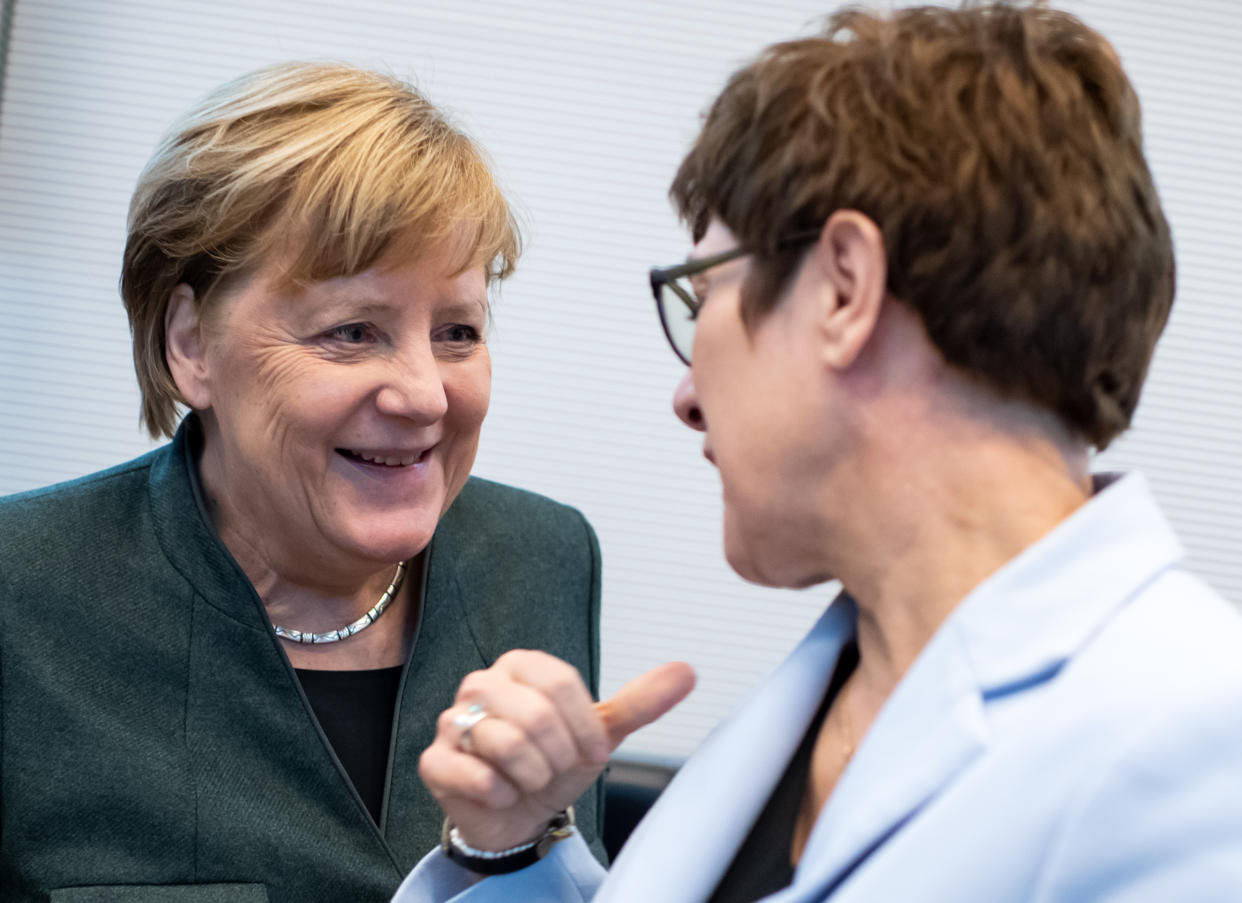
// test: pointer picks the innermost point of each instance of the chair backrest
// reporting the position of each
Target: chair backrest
(630, 787)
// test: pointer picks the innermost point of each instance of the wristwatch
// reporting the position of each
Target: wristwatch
(502, 862)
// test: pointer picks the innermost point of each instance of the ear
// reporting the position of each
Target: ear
(185, 348)
(851, 259)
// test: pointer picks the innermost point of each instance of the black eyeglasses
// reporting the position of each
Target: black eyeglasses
(678, 308)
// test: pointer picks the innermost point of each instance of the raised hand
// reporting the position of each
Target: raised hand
(541, 745)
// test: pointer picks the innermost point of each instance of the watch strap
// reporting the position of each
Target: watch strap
(503, 862)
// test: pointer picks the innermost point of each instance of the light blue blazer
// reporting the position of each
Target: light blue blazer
(1073, 732)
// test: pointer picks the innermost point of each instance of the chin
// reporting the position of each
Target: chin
(742, 558)
(759, 562)
(387, 543)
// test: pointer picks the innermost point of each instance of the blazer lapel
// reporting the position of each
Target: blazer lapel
(681, 849)
(931, 728)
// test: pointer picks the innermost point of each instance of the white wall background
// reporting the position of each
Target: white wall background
(587, 109)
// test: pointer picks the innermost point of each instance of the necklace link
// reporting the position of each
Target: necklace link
(333, 636)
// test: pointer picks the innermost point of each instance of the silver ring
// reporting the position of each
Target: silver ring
(466, 722)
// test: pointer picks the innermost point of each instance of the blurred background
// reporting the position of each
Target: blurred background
(587, 109)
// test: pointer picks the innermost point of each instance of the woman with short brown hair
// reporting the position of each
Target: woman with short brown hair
(929, 272)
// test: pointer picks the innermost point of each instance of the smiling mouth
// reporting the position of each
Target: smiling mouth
(384, 460)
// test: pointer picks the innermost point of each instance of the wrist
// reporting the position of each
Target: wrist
(511, 859)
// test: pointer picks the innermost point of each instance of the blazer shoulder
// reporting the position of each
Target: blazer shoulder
(94, 505)
(481, 492)
(495, 512)
(1176, 644)
(1159, 816)
(527, 570)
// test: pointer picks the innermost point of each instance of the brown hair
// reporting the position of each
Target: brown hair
(323, 165)
(998, 149)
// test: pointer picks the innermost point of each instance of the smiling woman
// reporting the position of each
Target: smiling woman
(344, 418)
(247, 634)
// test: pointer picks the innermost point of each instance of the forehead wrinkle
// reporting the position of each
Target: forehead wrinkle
(464, 306)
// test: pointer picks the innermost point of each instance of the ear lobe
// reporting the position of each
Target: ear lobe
(851, 257)
(185, 348)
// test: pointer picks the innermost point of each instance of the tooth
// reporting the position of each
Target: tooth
(387, 461)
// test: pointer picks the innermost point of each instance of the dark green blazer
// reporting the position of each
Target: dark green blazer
(156, 745)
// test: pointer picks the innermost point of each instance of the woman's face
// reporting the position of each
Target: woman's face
(342, 419)
(757, 397)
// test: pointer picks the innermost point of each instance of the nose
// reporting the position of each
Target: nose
(413, 388)
(686, 403)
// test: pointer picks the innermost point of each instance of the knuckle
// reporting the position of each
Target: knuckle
(517, 658)
(472, 685)
(437, 791)
(509, 751)
(430, 766)
(542, 722)
(566, 683)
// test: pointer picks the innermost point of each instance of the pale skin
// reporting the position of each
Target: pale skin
(340, 421)
(848, 449)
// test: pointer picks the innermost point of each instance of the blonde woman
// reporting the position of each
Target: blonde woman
(220, 661)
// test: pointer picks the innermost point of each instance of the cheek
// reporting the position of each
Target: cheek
(468, 386)
(718, 361)
(293, 393)
(282, 407)
(255, 375)
(469, 390)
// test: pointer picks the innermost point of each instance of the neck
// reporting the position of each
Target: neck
(315, 592)
(941, 522)
(313, 609)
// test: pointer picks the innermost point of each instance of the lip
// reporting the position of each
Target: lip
(707, 453)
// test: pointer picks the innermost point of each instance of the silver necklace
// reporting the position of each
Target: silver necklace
(332, 636)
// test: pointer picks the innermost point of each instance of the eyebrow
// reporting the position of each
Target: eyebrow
(465, 306)
(370, 306)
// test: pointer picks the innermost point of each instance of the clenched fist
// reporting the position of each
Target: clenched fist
(542, 743)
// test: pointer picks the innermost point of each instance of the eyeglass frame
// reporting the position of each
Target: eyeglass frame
(668, 276)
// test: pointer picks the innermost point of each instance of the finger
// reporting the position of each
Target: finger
(451, 774)
(507, 749)
(562, 685)
(644, 699)
(527, 709)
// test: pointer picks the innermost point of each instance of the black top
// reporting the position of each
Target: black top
(761, 866)
(355, 710)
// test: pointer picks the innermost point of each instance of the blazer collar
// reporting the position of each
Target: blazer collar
(1011, 634)
(682, 848)
(1041, 607)
(183, 528)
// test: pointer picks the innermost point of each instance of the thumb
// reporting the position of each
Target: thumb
(644, 699)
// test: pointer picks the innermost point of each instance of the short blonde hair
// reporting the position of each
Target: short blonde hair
(322, 164)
